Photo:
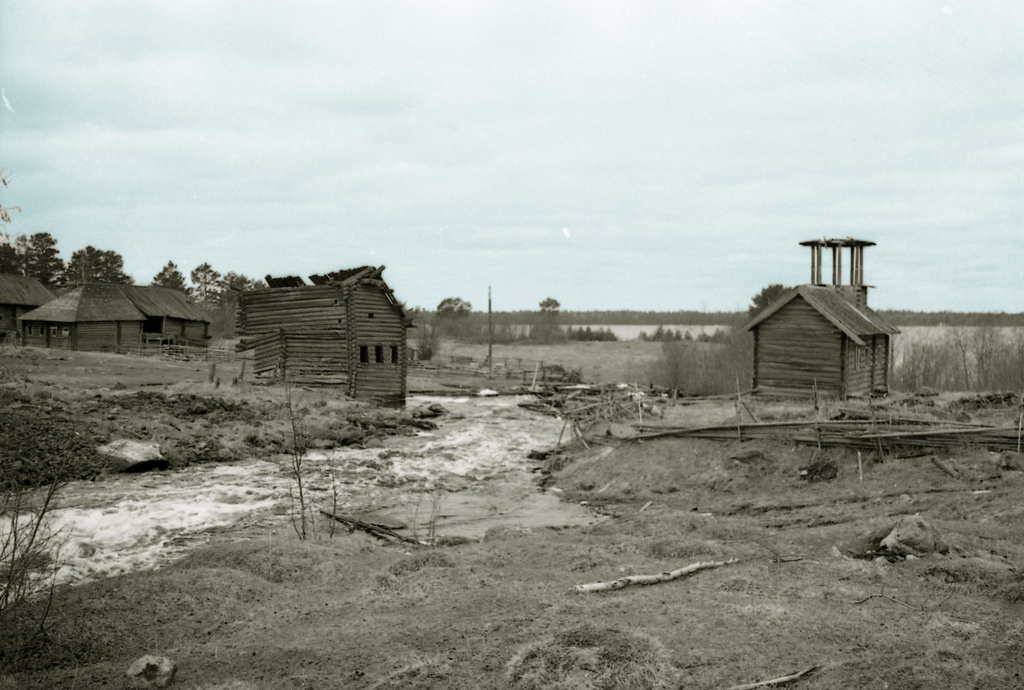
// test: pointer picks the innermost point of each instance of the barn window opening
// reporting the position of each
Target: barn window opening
(53, 330)
(394, 354)
(364, 354)
(378, 354)
(370, 315)
(153, 324)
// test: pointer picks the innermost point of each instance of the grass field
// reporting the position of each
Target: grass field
(263, 610)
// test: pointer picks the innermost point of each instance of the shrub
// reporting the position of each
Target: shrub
(705, 368)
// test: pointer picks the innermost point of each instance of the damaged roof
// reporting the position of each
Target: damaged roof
(24, 291)
(853, 320)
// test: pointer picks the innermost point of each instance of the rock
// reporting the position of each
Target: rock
(1011, 460)
(133, 456)
(151, 672)
(428, 411)
(373, 442)
(819, 471)
(912, 536)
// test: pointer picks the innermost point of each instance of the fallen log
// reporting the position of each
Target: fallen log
(945, 467)
(376, 530)
(642, 580)
(776, 682)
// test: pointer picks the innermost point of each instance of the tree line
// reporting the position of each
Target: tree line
(37, 256)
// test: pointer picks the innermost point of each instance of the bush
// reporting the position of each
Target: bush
(962, 359)
(705, 368)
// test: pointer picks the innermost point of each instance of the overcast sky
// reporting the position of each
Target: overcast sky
(625, 155)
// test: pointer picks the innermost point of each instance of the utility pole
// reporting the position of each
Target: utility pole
(490, 335)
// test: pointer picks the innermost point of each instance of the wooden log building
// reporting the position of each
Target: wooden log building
(18, 296)
(823, 338)
(346, 329)
(115, 318)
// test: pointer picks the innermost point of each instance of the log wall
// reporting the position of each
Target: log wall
(350, 335)
(379, 328)
(303, 308)
(34, 333)
(798, 349)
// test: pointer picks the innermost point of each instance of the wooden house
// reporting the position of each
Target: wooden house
(821, 338)
(115, 318)
(18, 296)
(346, 329)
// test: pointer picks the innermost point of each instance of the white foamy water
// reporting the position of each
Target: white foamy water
(133, 522)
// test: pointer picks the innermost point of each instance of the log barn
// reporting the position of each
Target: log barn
(823, 339)
(18, 296)
(346, 329)
(116, 318)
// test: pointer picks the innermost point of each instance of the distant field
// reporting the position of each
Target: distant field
(600, 362)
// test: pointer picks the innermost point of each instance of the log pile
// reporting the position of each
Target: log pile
(584, 407)
(888, 435)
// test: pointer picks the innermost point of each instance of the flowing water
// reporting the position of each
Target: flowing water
(469, 474)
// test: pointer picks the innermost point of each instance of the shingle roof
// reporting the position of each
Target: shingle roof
(853, 320)
(24, 291)
(117, 303)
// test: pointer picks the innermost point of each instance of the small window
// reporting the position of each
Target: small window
(370, 315)
(364, 354)
(28, 331)
(53, 330)
(65, 331)
(394, 354)
(378, 354)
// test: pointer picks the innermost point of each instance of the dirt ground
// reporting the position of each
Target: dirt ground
(810, 586)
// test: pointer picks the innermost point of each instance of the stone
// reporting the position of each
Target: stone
(126, 455)
(151, 671)
(819, 471)
(913, 536)
(1011, 460)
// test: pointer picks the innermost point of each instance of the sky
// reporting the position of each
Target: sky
(612, 155)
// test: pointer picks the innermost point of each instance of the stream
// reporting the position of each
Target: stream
(469, 474)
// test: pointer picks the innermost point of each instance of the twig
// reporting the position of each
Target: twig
(775, 682)
(886, 596)
(641, 580)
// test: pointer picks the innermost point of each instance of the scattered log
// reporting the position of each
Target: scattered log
(945, 467)
(642, 580)
(376, 530)
(776, 682)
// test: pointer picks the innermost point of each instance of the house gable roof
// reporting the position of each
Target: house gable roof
(87, 303)
(853, 320)
(117, 303)
(153, 300)
(23, 291)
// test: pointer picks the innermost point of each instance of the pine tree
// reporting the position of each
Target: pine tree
(170, 277)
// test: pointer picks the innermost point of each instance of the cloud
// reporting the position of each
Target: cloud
(688, 146)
